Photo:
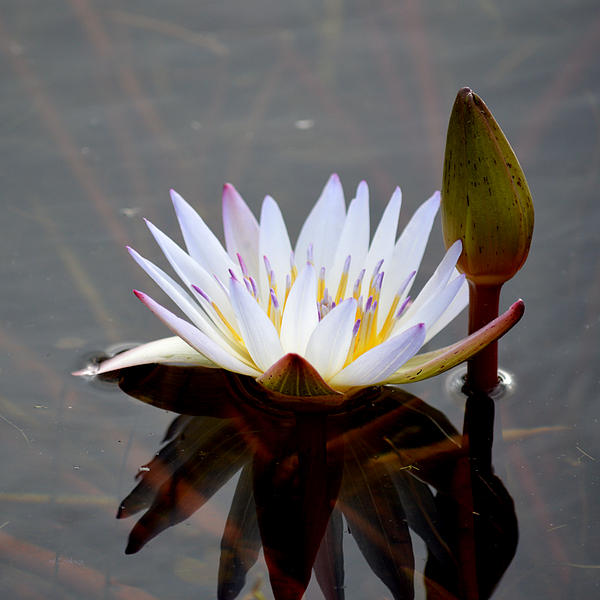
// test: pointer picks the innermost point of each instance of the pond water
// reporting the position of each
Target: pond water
(106, 105)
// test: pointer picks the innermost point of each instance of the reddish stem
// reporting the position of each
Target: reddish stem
(482, 369)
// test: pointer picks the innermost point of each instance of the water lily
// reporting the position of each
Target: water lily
(335, 312)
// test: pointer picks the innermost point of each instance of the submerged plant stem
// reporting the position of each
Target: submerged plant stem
(482, 369)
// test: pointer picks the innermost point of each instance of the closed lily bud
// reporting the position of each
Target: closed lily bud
(486, 202)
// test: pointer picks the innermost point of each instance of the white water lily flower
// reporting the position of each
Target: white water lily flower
(341, 304)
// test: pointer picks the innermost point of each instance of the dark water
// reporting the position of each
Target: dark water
(106, 105)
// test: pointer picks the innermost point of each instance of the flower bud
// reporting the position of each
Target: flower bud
(486, 201)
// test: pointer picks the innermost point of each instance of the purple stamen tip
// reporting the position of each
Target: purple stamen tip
(267, 264)
(347, 263)
(359, 280)
(377, 267)
(369, 302)
(404, 306)
(242, 264)
(310, 253)
(274, 298)
(356, 327)
(254, 286)
(232, 275)
(202, 293)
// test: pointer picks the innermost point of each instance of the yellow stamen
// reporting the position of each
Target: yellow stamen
(235, 334)
(321, 286)
(341, 288)
(388, 324)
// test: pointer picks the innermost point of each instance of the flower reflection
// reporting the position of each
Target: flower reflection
(386, 464)
(338, 303)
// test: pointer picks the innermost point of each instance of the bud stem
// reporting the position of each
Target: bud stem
(482, 369)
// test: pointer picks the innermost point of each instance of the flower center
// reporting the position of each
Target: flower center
(371, 325)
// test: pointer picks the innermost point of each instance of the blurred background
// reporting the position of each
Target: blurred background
(106, 105)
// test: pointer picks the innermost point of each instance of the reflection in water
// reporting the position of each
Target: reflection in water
(385, 463)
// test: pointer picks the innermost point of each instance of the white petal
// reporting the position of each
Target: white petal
(409, 250)
(274, 243)
(323, 226)
(381, 361)
(198, 340)
(437, 282)
(172, 350)
(241, 229)
(430, 312)
(354, 240)
(300, 315)
(382, 246)
(330, 341)
(176, 293)
(258, 331)
(201, 242)
(456, 307)
(189, 271)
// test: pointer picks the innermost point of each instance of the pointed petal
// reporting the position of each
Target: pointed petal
(409, 250)
(201, 242)
(433, 363)
(380, 362)
(300, 315)
(195, 338)
(330, 341)
(323, 226)
(241, 229)
(437, 282)
(456, 307)
(354, 239)
(436, 306)
(382, 246)
(189, 270)
(178, 295)
(259, 333)
(274, 243)
(171, 350)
